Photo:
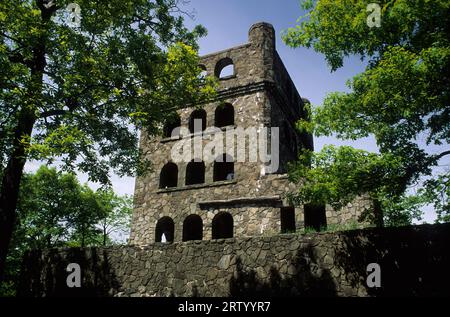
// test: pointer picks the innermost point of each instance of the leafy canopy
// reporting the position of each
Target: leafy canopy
(402, 98)
(55, 210)
(116, 211)
(128, 65)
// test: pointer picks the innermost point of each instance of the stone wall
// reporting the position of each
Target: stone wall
(414, 261)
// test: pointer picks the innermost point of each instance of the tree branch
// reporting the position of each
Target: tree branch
(16, 57)
(10, 38)
(441, 155)
(52, 113)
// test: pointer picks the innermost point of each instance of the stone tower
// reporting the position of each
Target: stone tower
(226, 197)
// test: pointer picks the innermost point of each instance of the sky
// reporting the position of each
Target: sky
(228, 23)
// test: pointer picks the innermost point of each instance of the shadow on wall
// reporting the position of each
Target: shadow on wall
(97, 279)
(304, 278)
(415, 265)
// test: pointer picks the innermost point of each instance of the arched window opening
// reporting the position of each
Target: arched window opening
(193, 228)
(171, 127)
(223, 168)
(315, 217)
(227, 71)
(287, 217)
(195, 173)
(224, 68)
(222, 226)
(197, 121)
(224, 115)
(165, 229)
(169, 176)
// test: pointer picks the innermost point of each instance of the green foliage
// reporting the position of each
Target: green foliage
(401, 99)
(401, 211)
(116, 211)
(130, 64)
(337, 175)
(84, 218)
(351, 225)
(47, 199)
(437, 192)
(55, 210)
(308, 230)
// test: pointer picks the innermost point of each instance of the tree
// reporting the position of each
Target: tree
(78, 92)
(116, 216)
(84, 218)
(47, 199)
(401, 98)
(55, 210)
(437, 191)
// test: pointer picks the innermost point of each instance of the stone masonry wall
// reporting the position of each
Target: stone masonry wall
(414, 261)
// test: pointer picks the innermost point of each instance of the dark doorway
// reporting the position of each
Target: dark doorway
(223, 168)
(171, 125)
(222, 226)
(287, 217)
(193, 228)
(224, 115)
(197, 118)
(165, 226)
(195, 173)
(315, 217)
(169, 176)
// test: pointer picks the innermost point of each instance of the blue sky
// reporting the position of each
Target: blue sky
(228, 23)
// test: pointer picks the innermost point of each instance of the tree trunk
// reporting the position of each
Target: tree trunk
(82, 235)
(27, 117)
(378, 213)
(104, 236)
(10, 185)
